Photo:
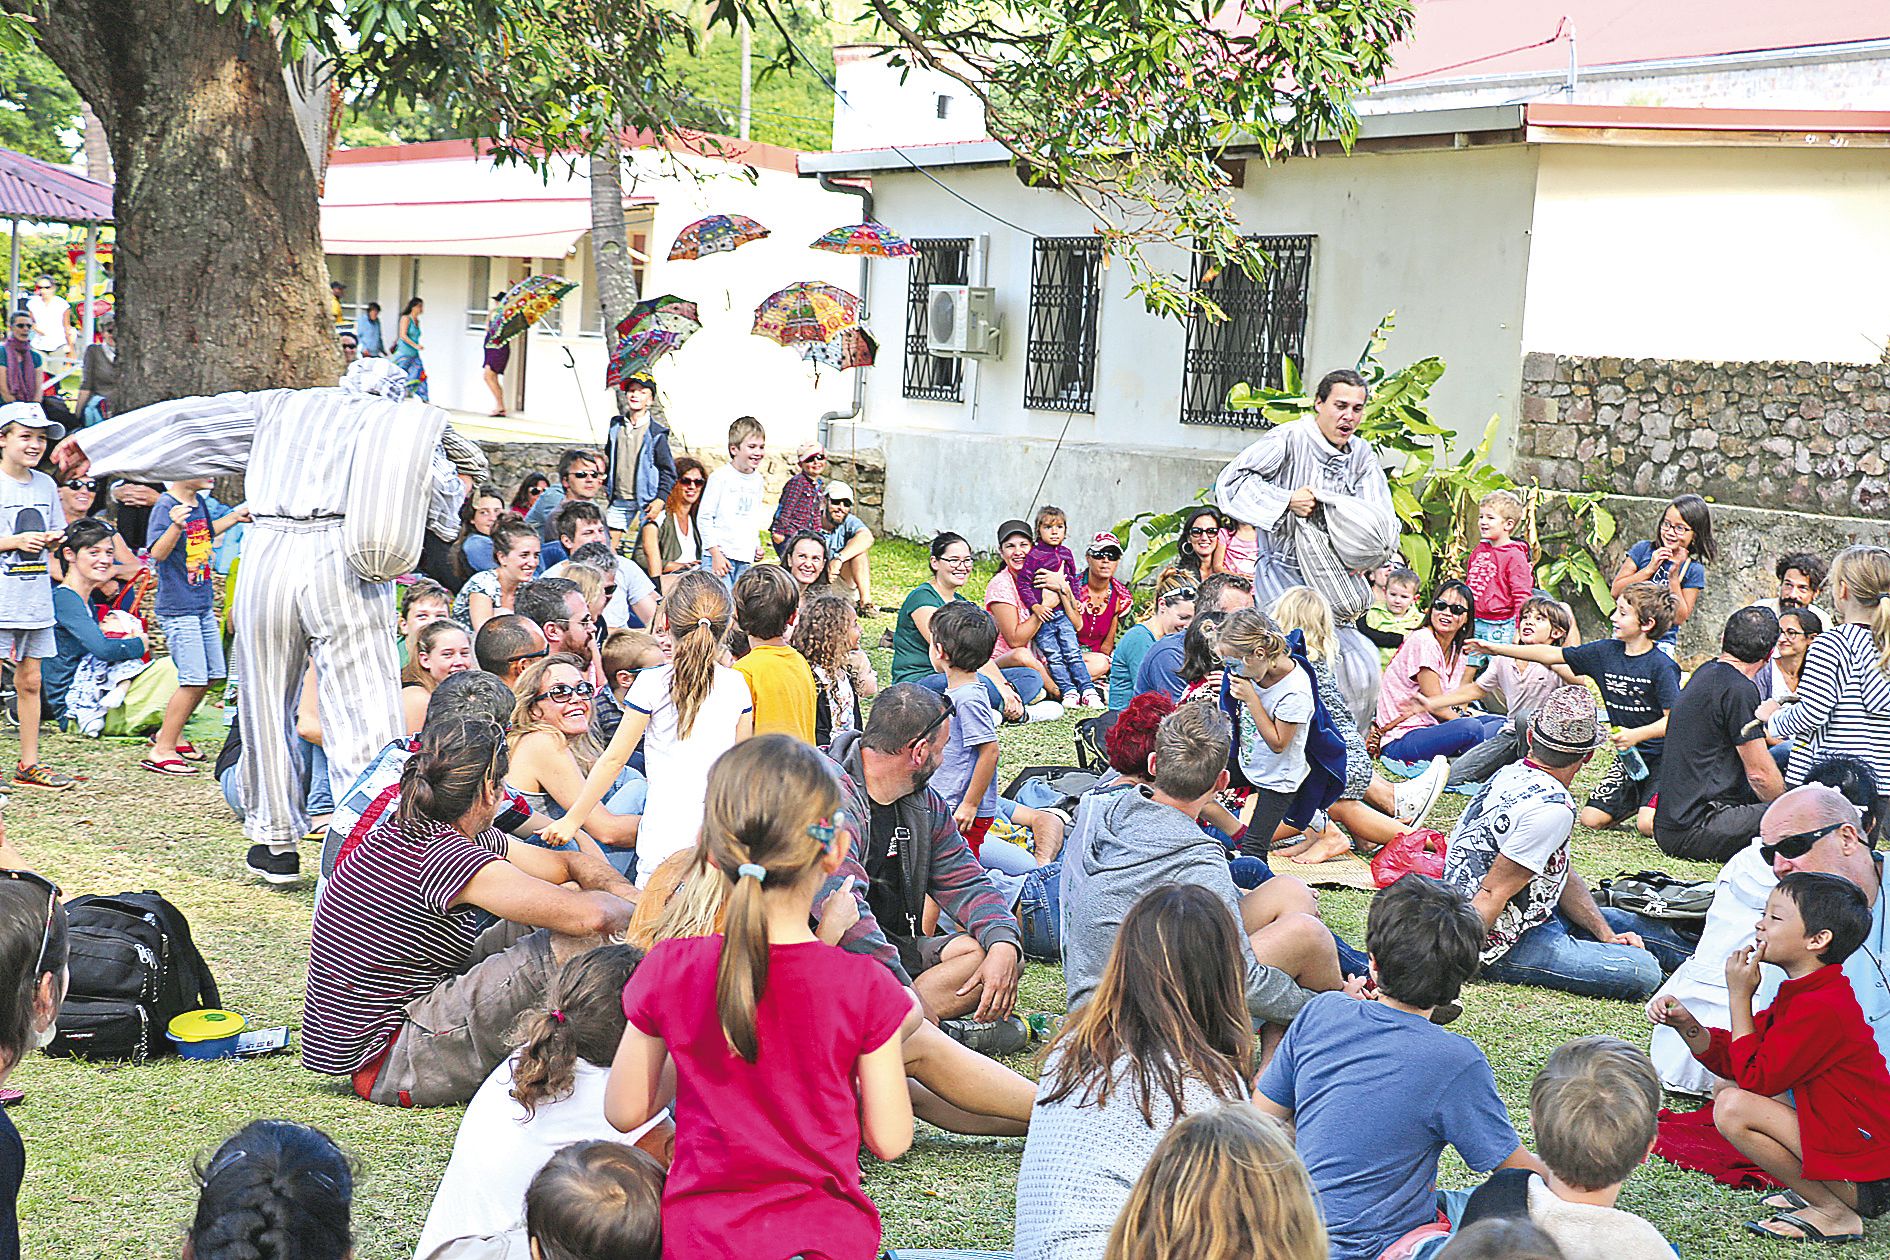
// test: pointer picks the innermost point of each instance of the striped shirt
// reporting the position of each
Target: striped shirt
(385, 933)
(1843, 706)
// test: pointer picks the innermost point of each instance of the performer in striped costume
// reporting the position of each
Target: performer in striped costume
(340, 483)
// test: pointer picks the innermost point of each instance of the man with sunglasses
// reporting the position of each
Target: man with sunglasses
(53, 334)
(507, 644)
(557, 606)
(580, 477)
(802, 504)
(848, 542)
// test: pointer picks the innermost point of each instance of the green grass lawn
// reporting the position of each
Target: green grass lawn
(109, 1148)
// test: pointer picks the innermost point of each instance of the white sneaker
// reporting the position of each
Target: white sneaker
(1093, 700)
(1416, 798)
(1043, 711)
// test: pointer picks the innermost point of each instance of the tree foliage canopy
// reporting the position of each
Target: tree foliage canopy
(39, 111)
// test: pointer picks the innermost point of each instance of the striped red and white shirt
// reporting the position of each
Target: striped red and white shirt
(385, 933)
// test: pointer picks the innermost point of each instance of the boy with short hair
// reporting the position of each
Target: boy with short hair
(1393, 615)
(180, 537)
(734, 508)
(1831, 1144)
(1499, 574)
(1055, 639)
(963, 635)
(31, 521)
(1344, 1062)
(626, 654)
(1593, 1106)
(1639, 685)
(779, 678)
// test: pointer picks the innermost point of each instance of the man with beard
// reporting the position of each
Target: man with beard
(557, 606)
(1321, 506)
(909, 849)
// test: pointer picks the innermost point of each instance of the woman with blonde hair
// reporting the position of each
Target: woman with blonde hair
(1370, 809)
(1225, 1184)
(1843, 704)
(553, 750)
(686, 713)
(1172, 610)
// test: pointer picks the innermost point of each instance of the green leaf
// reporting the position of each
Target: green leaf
(1418, 556)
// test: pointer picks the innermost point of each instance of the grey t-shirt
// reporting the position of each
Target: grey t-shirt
(27, 507)
(974, 724)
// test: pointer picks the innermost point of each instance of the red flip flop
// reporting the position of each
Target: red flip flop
(169, 765)
(189, 752)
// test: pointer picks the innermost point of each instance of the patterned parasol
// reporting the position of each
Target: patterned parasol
(638, 353)
(808, 311)
(848, 348)
(715, 234)
(523, 305)
(667, 312)
(873, 239)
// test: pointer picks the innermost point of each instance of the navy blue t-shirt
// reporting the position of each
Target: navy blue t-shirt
(183, 577)
(1636, 689)
(1161, 668)
(1694, 579)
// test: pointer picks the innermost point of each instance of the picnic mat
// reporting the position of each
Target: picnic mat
(1344, 871)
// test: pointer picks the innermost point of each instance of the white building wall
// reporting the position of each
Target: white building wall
(1715, 254)
(881, 104)
(1441, 237)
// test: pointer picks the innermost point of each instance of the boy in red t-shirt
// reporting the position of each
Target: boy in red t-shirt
(1498, 574)
(1833, 1147)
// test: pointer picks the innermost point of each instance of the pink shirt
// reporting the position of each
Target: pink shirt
(1002, 589)
(767, 1153)
(1501, 579)
(1420, 651)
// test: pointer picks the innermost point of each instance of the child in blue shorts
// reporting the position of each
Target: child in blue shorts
(180, 538)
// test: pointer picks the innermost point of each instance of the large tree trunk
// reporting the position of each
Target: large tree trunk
(218, 269)
(610, 246)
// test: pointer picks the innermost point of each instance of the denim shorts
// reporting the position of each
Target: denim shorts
(196, 644)
(1490, 632)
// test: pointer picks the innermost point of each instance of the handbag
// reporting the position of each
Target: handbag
(1659, 895)
(1412, 852)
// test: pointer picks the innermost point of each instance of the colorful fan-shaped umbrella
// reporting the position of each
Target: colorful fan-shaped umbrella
(667, 312)
(873, 239)
(715, 234)
(638, 353)
(808, 311)
(523, 305)
(848, 348)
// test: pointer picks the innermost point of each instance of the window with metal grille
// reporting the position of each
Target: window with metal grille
(1266, 319)
(1065, 290)
(945, 261)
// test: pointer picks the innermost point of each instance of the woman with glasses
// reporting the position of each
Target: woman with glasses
(1798, 628)
(1101, 604)
(670, 544)
(32, 985)
(1172, 610)
(1194, 548)
(553, 749)
(78, 496)
(1010, 690)
(1432, 662)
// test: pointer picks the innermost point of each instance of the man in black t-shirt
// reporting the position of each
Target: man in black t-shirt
(1718, 776)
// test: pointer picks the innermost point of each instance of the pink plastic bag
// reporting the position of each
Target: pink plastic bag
(1421, 851)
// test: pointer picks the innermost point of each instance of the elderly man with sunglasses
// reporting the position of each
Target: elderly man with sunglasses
(1810, 828)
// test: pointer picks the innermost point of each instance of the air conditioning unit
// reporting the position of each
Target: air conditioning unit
(961, 321)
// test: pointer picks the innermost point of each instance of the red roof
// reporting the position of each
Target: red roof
(1462, 38)
(772, 157)
(42, 192)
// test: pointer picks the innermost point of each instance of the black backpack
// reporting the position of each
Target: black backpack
(134, 968)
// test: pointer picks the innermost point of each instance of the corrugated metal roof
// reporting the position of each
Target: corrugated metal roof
(39, 191)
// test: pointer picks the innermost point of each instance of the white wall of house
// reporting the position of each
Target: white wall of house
(1717, 253)
(881, 104)
(1439, 236)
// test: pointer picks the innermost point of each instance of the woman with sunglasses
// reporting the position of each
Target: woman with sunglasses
(1010, 690)
(553, 749)
(670, 545)
(1172, 610)
(1194, 547)
(78, 496)
(32, 985)
(1101, 603)
(534, 484)
(1432, 662)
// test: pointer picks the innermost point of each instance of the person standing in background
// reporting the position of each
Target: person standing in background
(367, 332)
(53, 335)
(407, 348)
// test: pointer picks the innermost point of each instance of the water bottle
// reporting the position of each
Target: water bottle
(1632, 763)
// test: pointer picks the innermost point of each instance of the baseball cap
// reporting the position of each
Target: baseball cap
(640, 380)
(1105, 541)
(31, 415)
(1014, 526)
(1567, 722)
(839, 490)
(806, 450)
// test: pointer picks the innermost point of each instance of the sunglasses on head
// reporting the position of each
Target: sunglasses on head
(1797, 845)
(1445, 606)
(562, 692)
(1177, 595)
(945, 715)
(52, 900)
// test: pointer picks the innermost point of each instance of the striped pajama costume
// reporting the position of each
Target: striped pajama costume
(1351, 485)
(317, 513)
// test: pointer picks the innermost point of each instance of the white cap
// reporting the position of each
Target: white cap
(32, 416)
(839, 490)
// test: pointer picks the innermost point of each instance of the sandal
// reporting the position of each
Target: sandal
(170, 765)
(185, 749)
(1784, 1201)
(1807, 1231)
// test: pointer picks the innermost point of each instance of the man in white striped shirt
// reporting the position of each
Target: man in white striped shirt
(341, 484)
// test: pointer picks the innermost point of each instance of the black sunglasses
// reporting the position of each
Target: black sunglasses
(944, 716)
(1455, 610)
(82, 483)
(562, 692)
(1796, 846)
(52, 901)
(1203, 533)
(694, 481)
(529, 656)
(842, 502)
(1107, 553)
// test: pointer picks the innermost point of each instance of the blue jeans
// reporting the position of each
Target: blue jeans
(1025, 682)
(1558, 955)
(321, 793)
(735, 570)
(1040, 910)
(1445, 739)
(196, 646)
(1063, 656)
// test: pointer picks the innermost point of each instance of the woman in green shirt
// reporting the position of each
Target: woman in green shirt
(1010, 690)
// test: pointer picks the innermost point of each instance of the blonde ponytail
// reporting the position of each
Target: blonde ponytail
(699, 613)
(1864, 572)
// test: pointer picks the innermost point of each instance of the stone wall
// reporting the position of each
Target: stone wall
(1809, 436)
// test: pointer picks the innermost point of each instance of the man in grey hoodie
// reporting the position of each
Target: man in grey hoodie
(1145, 837)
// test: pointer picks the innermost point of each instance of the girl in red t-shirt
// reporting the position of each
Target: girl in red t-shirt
(768, 1029)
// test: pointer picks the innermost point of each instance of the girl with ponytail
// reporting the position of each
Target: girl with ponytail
(768, 1029)
(275, 1191)
(547, 1095)
(685, 713)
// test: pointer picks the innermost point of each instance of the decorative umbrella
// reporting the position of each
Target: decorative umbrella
(873, 239)
(808, 311)
(849, 348)
(715, 234)
(667, 312)
(523, 305)
(639, 352)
